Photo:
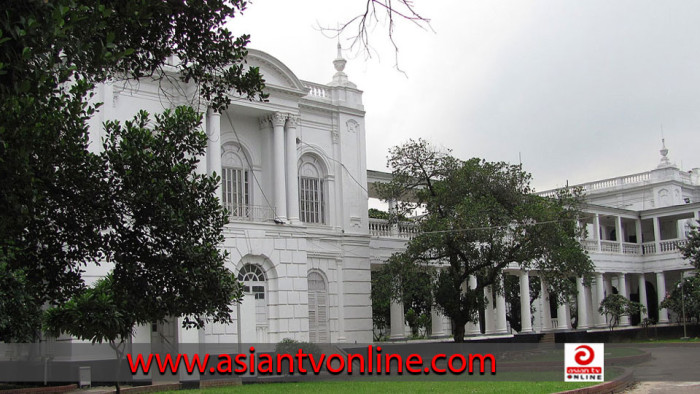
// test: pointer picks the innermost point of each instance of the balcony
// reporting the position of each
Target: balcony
(250, 213)
(406, 230)
(382, 228)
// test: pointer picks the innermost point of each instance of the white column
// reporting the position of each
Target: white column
(202, 165)
(292, 169)
(596, 230)
(600, 291)
(280, 187)
(472, 328)
(544, 307)
(657, 234)
(489, 310)
(341, 301)
(618, 232)
(661, 295)
(501, 322)
(525, 316)
(581, 307)
(608, 286)
(397, 320)
(436, 322)
(563, 317)
(638, 230)
(592, 310)
(622, 290)
(393, 212)
(643, 296)
(214, 145)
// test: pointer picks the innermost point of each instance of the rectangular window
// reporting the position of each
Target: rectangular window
(311, 200)
(234, 182)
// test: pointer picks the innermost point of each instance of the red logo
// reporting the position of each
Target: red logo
(580, 355)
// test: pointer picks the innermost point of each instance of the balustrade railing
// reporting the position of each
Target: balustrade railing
(649, 247)
(671, 245)
(630, 248)
(382, 228)
(251, 213)
(606, 183)
(609, 246)
(317, 90)
(407, 230)
(379, 228)
(590, 245)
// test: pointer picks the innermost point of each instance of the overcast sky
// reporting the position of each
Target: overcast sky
(580, 89)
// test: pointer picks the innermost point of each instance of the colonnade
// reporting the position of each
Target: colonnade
(587, 301)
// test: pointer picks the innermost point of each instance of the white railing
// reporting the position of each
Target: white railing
(649, 247)
(379, 228)
(407, 230)
(606, 183)
(555, 323)
(317, 90)
(609, 246)
(382, 228)
(251, 213)
(630, 248)
(590, 245)
(671, 245)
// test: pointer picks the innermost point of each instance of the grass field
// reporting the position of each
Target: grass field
(518, 382)
(398, 387)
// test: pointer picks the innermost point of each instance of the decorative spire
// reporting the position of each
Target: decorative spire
(665, 162)
(340, 78)
(339, 62)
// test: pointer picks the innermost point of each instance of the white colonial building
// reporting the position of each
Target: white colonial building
(293, 178)
(635, 224)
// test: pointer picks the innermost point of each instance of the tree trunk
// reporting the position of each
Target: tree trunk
(459, 332)
(119, 350)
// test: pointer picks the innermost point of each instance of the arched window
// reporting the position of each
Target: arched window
(254, 286)
(318, 308)
(312, 192)
(235, 181)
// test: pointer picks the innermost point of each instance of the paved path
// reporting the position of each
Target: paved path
(673, 368)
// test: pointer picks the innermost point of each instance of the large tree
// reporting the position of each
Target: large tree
(685, 298)
(52, 52)
(163, 235)
(480, 217)
(691, 250)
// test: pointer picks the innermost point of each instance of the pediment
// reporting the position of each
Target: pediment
(276, 73)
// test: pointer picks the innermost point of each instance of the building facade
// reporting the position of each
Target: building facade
(293, 179)
(634, 223)
(295, 182)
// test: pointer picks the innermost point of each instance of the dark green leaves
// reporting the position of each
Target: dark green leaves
(480, 218)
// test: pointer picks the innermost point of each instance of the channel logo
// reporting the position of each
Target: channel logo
(584, 362)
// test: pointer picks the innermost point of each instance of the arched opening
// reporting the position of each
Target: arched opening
(235, 182)
(312, 190)
(254, 303)
(319, 325)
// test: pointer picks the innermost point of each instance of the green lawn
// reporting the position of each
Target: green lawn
(398, 387)
(691, 340)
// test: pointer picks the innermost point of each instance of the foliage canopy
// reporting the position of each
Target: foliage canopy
(54, 215)
(480, 218)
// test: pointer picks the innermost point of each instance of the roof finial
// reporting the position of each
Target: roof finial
(665, 162)
(340, 78)
(339, 62)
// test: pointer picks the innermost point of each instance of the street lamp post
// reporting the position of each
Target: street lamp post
(685, 332)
